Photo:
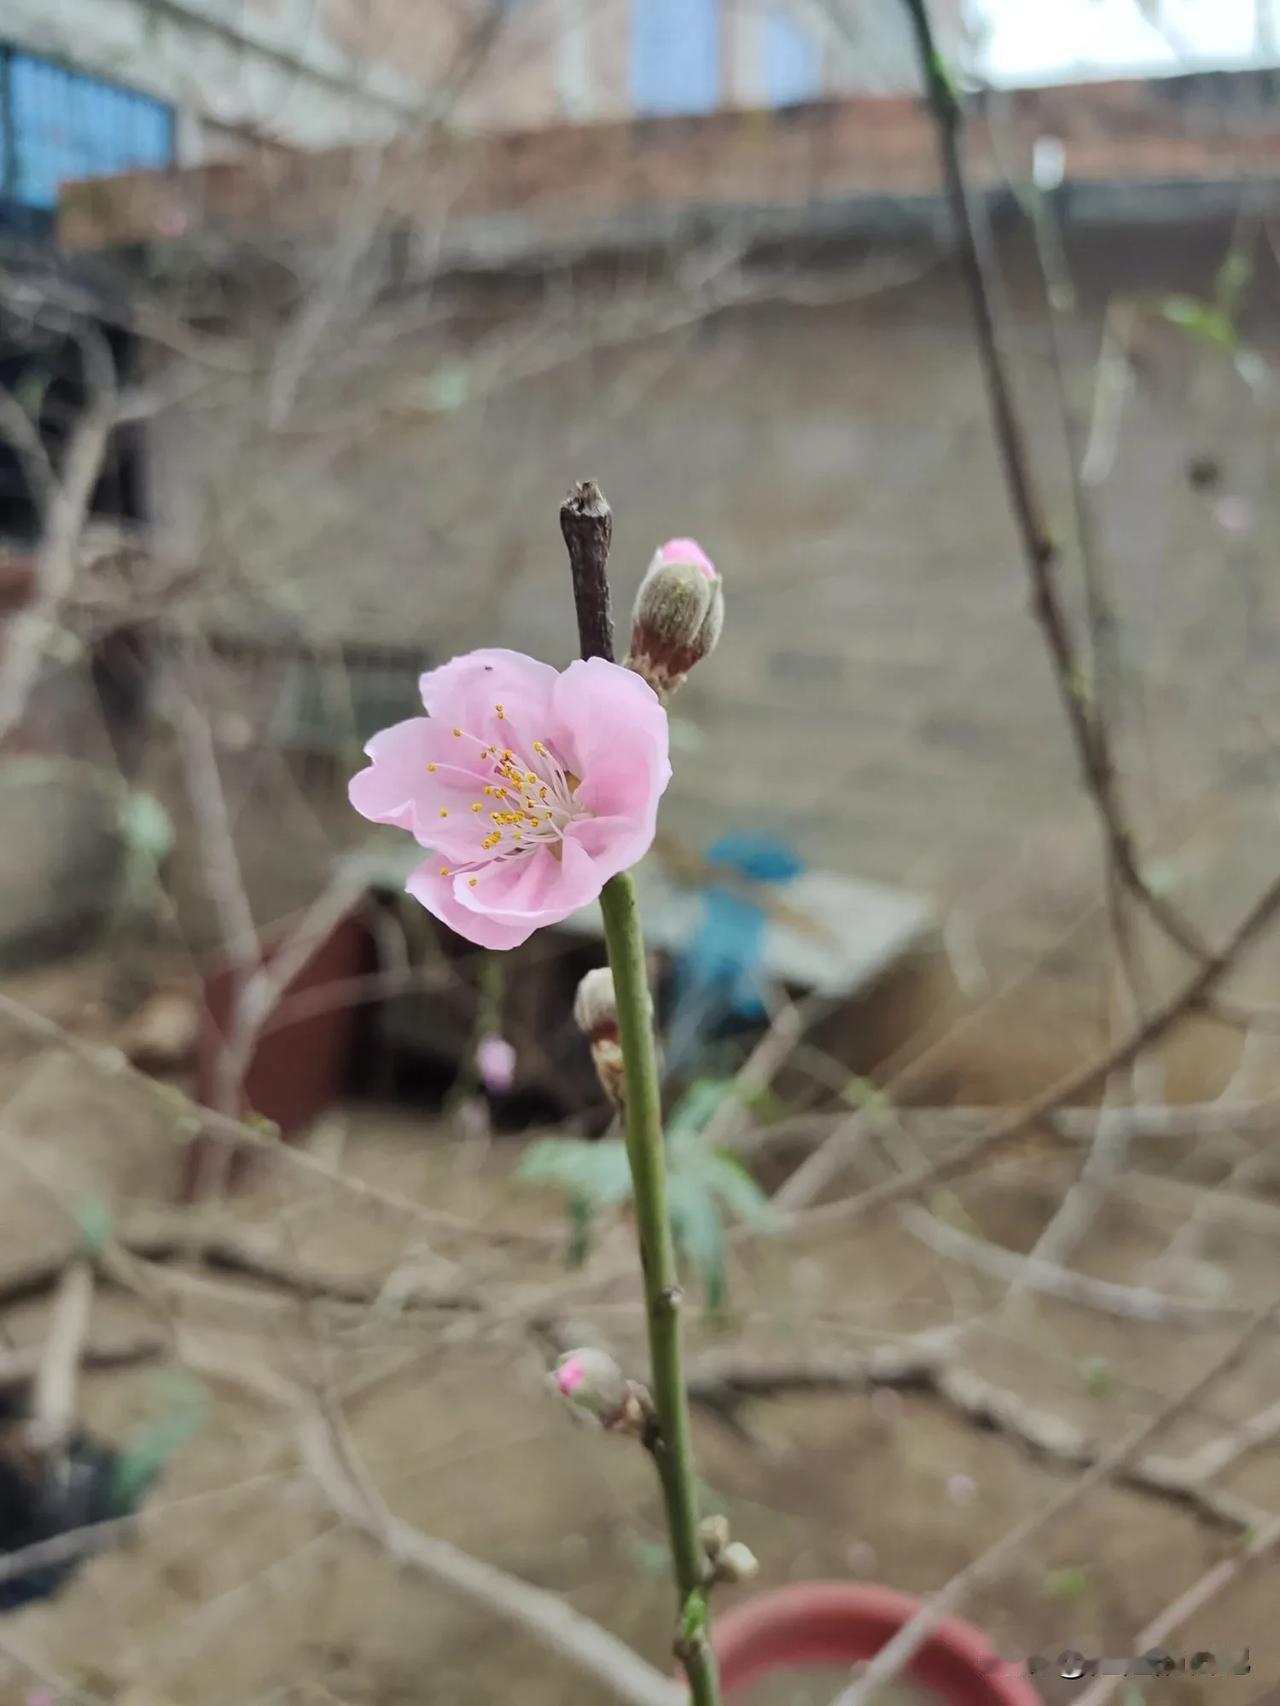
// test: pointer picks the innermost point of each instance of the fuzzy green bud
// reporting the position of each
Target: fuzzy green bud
(678, 615)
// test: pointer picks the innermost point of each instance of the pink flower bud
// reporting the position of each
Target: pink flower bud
(591, 1381)
(687, 551)
(678, 615)
(496, 1064)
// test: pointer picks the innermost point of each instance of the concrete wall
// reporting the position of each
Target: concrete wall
(882, 694)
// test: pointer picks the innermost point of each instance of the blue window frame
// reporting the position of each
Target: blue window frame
(792, 62)
(60, 124)
(675, 55)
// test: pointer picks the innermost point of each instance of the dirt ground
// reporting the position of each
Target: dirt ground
(240, 1586)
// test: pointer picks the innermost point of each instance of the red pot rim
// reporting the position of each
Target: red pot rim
(816, 1625)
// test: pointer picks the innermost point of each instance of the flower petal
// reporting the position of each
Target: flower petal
(465, 692)
(425, 780)
(614, 729)
(438, 895)
(537, 886)
(613, 844)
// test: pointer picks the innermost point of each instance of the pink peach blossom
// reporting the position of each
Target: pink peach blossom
(570, 1375)
(687, 551)
(532, 786)
(496, 1064)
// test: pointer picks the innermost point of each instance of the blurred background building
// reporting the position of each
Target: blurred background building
(700, 250)
(95, 87)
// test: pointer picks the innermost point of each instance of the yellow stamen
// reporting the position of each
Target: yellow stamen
(430, 766)
(500, 711)
(457, 731)
(443, 812)
(476, 806)
(538, 746)
(444, 870)
(471, 882)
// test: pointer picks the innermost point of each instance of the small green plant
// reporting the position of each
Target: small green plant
(706, 1185)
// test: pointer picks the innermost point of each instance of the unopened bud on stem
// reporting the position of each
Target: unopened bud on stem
(595, 1006)
(678, 615)
(595, 1012)
(713, 1532)
(737, 1563)
(593, 1384)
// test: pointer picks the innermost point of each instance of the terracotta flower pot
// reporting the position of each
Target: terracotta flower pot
(301, 1066)
(825, 1625)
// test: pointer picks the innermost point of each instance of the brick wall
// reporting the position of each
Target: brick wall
(571, 182)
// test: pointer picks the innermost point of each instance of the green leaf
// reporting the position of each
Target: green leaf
(693, 1617)
(140, 1463)
(581, 1219)
(698, 1230)
(765, 1104)
(1070, 1584)
(95, 1221)
(736, 1188)
(1099, 1377)
(1233, 278)
(595, 1173)
(1201, 319)
(695, 1108)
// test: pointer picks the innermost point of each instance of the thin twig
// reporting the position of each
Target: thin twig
(53, 1399)
(223, 1249)
(899, 1651)
(586, 521)
(1052, 1279)
(595, 1652)
(66, 507)
(1260, 1546)
(1039, 548)
(1070, 1088)
(195, 1120)
(930, 1367)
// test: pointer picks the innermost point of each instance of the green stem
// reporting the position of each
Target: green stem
(646, 1152)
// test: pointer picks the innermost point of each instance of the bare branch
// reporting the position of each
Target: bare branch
(898, 1652)
(591, 1649)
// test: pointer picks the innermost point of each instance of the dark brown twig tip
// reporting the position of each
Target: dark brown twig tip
(586, 521)
(588, 501)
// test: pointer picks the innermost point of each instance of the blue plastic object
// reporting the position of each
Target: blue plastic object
(718, 975)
